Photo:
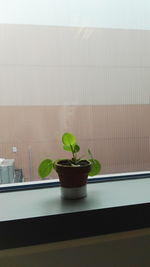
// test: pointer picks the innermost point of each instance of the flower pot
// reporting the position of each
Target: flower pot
(73, 180)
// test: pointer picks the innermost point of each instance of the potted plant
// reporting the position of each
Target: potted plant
(73, 172)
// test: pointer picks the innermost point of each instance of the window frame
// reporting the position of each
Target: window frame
(55, 182)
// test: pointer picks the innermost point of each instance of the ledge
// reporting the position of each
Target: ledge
(40, 216)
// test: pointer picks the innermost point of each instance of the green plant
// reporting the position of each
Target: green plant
(69, 144)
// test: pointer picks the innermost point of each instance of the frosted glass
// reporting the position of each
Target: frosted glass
(75, 66)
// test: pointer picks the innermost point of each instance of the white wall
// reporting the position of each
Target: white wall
(43, 65)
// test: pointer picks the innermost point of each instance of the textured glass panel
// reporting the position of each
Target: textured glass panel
(80, 67)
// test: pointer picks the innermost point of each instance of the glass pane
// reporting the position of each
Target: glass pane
(74, 66)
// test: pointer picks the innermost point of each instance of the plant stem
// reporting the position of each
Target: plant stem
(73, 154)
(90, 154)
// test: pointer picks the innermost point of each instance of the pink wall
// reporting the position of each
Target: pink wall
(119, 136)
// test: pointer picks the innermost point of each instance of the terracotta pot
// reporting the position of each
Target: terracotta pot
(73, 180)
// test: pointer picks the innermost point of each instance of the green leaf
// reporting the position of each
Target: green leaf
(67, 148)
(45, 168)
(95, 167)
(54, 165)
(68, 139)
(76, 148)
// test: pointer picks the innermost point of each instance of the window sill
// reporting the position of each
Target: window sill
(40, 216)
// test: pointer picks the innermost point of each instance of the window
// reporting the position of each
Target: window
(77, 66)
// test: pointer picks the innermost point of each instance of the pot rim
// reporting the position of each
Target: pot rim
(67, 166)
